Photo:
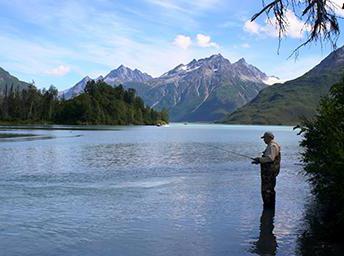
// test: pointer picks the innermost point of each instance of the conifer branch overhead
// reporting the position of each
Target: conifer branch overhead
(320, 16)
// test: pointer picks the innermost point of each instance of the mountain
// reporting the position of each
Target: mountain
(205, 89)
(7, 80)
(121, 75)
(287, 103)
(78, 88)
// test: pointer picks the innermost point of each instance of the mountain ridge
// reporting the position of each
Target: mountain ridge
(201, 90)
(8, 80)
(117, 76)
(205, 89)
(290, 102)
(212, 84)
(124, 74)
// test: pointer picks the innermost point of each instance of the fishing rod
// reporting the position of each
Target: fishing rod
(231, 152)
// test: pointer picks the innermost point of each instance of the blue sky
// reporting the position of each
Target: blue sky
(60, 42)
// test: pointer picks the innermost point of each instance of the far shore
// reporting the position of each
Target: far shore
(15, 135)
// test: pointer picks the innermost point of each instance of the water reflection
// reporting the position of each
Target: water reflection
(267, 243)
(22, 137)
(144, 191)
(318, 236)
(31, 137)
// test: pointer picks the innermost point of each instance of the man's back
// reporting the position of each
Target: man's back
(270, 153)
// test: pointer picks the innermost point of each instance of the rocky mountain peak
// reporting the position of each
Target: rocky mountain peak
(122, 67)
(119, 70)
(177, 70)
(77, 89)
(120, 75)
(213, 62)
(192, 62)
(242, 61)
(202, 90)
(216, 65)
(216, 58)
(247, 71)
(124, 74)
(100, 78)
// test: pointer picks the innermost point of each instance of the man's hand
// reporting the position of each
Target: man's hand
(255, 160)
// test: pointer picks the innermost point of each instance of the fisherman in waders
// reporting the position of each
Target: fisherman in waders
(269, 169)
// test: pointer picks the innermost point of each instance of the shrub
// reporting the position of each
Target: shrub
(323, 141)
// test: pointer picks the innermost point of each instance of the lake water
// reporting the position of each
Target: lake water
(147, 191)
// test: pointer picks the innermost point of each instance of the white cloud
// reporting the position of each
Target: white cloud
(337, 7)
(245, 45)
(97, 40)
(252, 27)
(205, 41)
(273, 80)
(295, 27)
(61, 70)
(182, 41)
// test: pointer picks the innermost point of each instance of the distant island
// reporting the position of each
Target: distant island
(100, 104)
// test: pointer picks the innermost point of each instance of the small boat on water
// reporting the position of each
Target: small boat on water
(161, 123)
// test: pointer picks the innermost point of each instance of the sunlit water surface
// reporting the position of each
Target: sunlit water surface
(146, 191)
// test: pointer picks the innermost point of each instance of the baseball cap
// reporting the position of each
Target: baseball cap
(268, 134)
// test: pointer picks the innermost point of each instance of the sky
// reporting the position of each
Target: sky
(60, 42)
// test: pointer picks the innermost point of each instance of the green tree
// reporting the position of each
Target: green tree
(164, 115)
(100, 104)
(49, 100)
(323, 156)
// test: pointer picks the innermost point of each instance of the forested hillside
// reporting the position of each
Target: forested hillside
(294, 100)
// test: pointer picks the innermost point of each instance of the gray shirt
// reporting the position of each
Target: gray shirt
(270, 153)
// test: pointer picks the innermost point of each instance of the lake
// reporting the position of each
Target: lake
(145, 190)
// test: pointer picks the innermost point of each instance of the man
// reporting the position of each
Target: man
(269, 169)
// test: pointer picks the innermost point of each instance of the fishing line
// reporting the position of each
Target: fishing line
(231, 152)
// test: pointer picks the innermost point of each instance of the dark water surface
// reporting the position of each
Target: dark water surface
(146, 191)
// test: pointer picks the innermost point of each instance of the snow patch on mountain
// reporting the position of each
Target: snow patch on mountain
(270, 80)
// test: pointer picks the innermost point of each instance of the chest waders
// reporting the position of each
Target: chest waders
(268, 173)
